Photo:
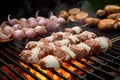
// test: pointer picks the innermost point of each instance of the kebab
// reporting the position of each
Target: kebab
(46, 47)
(76, 51)
(67, 53)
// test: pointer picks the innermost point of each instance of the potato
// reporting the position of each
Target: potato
(106, 25)
(63, 14)
(81, 15)
(117, 25)
(118, 19)
(110, 9)
(114, 16)
(74, 11)
(91, 21)
(101, 13)
(71, 18)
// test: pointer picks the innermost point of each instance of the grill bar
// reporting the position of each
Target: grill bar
(11, 60)
(13, 70)
(72, 73)
(94, 75)
(5, 74)
(110, 60)
(113, 58)
(97, 69)
(33, 67)
(104, 65)
(58, 74)
(116, 50)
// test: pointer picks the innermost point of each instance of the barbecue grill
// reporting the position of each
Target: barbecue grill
(104, 66)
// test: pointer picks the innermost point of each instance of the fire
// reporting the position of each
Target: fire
(48, 72)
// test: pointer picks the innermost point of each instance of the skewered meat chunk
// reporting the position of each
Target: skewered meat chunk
(40, 44)
(61, 54)
(80, 51)
(58, 35)
(95, 46)
(86, 35)
(62, 42)
(30, 56)
(74, 30)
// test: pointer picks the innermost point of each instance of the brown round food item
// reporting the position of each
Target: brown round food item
(81, 15)
(106, 25)
(71, 18)
(118, 19)
(91, 21)
(100, 13)
(74, 11)
(63, 14)
(114, 16)
(118, 25)
(110, 9)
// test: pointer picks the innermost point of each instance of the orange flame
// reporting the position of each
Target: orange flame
(48, 72)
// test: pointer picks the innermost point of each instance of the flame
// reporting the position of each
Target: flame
(48, 72)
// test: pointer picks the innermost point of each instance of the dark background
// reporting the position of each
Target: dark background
(28, 8)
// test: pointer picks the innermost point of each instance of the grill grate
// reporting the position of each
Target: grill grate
(104, 66)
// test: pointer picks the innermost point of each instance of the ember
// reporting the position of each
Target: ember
(49, 72)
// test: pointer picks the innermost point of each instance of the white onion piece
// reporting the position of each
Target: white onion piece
(52, 45)
(88, 48)
(73, 38)
(30, 33)
(61, 33)
(18, 35)
(88, 33)
(103, 43)
(50, 38)
(40, 44)
(40, 30)
(64, 42)
(77, 29)
(69, 51)
(51, 62)
(35, 53)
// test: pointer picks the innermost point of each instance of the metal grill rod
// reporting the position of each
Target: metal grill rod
(35, 68)
(79, 76)
(5, 74)
(95, 68)
(94, 75)
(32, 75)
(13, 70)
